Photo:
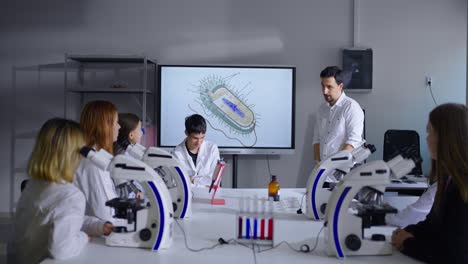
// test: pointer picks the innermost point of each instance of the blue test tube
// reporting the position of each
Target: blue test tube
(247, 228)
(255, 228)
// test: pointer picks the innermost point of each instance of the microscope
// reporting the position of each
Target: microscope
(340, 163)
(145, 223)
(346, 220)
(172, 174)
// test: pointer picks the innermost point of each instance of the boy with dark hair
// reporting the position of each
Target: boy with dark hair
(195, 124)
(197, 155)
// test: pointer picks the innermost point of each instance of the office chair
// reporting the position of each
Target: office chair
(23, 185)
(402, 142)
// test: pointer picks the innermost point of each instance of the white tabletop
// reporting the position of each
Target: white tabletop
(210, 222)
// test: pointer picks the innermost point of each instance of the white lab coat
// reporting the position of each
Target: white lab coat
(208, 156)
(98, 188)
(50, 222)
(416, 212)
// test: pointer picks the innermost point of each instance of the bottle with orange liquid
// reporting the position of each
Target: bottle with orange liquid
(273, 188)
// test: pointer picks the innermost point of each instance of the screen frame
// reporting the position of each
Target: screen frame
(235, 150)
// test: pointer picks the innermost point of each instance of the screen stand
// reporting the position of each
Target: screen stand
(234, 171)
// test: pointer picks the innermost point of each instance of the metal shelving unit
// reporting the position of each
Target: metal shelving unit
(21, 139)
(81, 66)
(110, 68)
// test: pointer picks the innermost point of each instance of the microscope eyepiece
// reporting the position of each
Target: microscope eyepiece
(370, 147)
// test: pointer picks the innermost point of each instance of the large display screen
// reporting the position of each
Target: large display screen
(248, 109)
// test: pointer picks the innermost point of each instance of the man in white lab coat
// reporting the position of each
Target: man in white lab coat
(197, 155)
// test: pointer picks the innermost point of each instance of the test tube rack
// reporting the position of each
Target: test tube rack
(255, 221)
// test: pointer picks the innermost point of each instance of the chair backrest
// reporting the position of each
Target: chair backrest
(402, 141)
(364, 128)
(23, 185)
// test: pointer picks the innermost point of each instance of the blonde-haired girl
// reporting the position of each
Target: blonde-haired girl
(50, 218)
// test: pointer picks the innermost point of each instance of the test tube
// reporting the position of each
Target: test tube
(239, 235)
(270, 229)
(270, 219)
(247, 228)
(262, 228)
(255, 204)
(242, 205)
(270, 207)
(241, 216)
(255, 228)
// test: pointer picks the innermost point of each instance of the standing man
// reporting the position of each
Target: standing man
(340, 120)
(197, 155)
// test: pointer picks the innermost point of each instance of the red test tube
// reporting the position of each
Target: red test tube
(240, 227)
(262, 229)
(270, 229)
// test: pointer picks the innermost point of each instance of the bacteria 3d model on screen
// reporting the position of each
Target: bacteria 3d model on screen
(246, 107)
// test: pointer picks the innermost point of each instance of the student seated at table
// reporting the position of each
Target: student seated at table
(130, 132)
(50, 219)
(197, 155)
(443, 236)
(99, 121)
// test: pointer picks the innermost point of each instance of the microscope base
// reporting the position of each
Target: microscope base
(368, 248)
(127, 240)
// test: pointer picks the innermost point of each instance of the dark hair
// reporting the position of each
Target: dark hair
(128, 122)
(333, 71)
(195, 124)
